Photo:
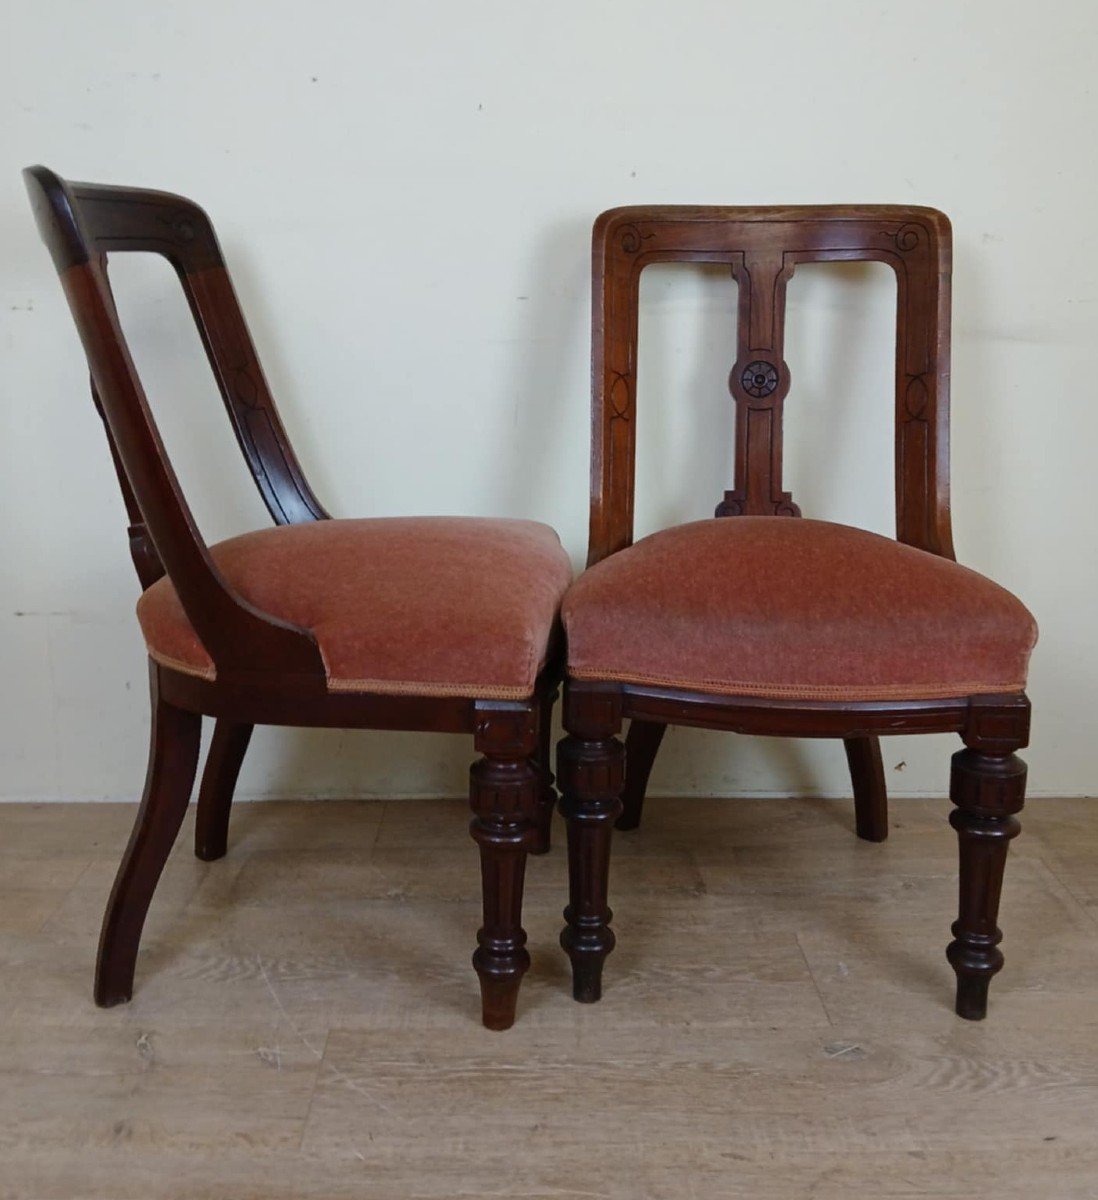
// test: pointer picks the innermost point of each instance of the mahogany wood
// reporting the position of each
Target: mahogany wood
(762, 247)
(863, 756)
(642, 744)
(215, 796)
(591, 766)
(268, 671)
(173, 761)
(547, 801)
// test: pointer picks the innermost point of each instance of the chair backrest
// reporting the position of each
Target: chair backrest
(81, 224)
(763, 246)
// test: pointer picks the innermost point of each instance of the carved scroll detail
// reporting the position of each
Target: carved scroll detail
(906, 238)
(620, 396)
(632, 239)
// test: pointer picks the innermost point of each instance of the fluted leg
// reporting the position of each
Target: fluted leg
(548, 794)
(988, 788)
(215, 795)
(173, 761)
(504, 792)
(642, 744)
(590, 766)
(863, 755)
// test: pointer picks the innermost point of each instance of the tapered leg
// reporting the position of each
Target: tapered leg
(505, 794)
(642, 744)
(215, 795)
(988, 789)
(590, 765)
(863, 755)
(548, 798)
(173, 761)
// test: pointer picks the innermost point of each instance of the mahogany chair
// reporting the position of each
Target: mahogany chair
(432, 624)
(763, 623)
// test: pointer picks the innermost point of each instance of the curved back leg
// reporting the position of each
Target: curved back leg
(173, 761)
(863, 755)
(642, 744)
(215, 796)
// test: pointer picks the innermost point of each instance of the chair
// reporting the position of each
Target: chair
(431, 624)
(763, 622)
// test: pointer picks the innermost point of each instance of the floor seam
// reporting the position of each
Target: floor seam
(815, 983)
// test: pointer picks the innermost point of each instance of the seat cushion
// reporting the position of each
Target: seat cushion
(426, 606)
(789, 608)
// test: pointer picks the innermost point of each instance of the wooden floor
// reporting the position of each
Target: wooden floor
(776, 1022)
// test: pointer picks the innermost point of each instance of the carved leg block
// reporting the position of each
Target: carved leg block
(215, 795)
(505, 792)
(642, 744)
(591, 771)
(548, 801)
(863, 756)
(173, 762)
(988, 788)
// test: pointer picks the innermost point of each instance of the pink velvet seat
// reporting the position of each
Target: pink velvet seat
(797, 609)
(426, 606)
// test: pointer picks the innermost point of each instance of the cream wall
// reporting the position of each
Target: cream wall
(404, 192)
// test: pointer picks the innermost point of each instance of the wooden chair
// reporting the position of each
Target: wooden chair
(761, 623)
(431, 624)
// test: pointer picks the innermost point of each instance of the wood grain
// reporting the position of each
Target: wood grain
(299, 1038)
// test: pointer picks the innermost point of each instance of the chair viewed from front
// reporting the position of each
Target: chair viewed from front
(764, 622)
(432, 624)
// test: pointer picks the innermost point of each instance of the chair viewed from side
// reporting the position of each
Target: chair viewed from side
(765, 622)
(436, 624)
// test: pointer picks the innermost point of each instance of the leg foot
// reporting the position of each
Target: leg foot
(173, 761)
(498, 1000)
(972, 996)
(587, 959)
(863, 756)
(987, 788)
(215, 795)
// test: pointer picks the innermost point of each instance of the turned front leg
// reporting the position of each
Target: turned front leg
(591, 775)
(504, 792)
(988, 789)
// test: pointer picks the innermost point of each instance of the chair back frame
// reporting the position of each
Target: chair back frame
(763, 246)
(81, 224)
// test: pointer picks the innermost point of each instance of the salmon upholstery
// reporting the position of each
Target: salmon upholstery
(425, 606)
(790, 608)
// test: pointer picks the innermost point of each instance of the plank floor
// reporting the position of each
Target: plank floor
(776, 1022)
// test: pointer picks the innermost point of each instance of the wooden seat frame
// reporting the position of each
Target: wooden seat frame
(268, 671)
(762, 246)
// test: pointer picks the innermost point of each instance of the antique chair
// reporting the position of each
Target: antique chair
(766, 623)
(433, 624)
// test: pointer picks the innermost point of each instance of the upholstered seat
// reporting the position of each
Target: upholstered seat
(429, 606)
(787, 608)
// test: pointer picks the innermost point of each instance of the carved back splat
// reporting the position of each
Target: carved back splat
(763, 246)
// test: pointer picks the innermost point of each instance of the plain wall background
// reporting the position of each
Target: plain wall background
(404, 193)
